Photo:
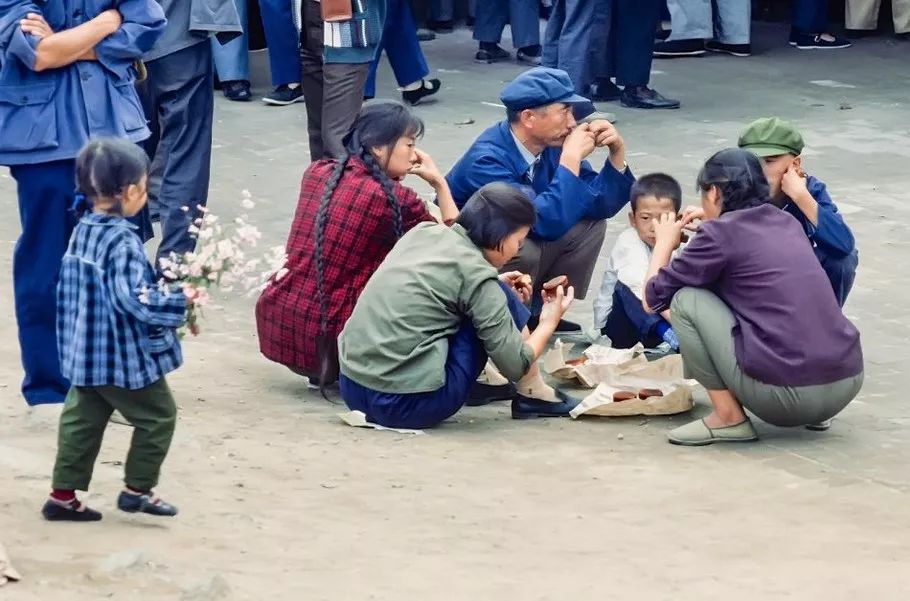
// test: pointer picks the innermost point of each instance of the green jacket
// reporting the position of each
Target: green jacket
(397, 338)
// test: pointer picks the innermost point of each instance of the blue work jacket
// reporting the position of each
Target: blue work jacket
(50, 115)
(562, 199)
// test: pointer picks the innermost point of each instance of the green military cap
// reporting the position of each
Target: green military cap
(771, 136)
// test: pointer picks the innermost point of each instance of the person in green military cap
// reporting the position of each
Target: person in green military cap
(779, 145)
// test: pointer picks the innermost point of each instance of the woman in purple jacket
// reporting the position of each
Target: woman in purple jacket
(758, 323)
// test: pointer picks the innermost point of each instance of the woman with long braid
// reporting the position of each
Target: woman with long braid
(350, 213)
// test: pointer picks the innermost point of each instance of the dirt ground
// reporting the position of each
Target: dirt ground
(280, 500)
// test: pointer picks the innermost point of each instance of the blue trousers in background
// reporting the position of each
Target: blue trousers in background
(841, 271)
(232, 60)
(629, 323)
(572, 37)
(399, 40)
(464, 363)
(627, 44)
(522, 15)
(810, 16)
(45, 193)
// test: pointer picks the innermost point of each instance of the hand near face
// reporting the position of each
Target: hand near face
(793, 182)
(668, 229)
(606, 135)
(580, 143)
(425, 168)
(520, 283)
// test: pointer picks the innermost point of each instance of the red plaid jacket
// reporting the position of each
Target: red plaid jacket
(358, 235)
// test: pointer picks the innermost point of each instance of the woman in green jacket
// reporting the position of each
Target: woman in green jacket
(437, 308)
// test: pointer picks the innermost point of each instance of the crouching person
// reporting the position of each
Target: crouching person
(437, 308)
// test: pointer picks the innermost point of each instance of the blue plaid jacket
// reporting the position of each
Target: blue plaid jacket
(114, 326)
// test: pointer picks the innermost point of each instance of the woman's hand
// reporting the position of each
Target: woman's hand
(426, 169)
(34, 24)
(668, 229)
(556, 301)
(519, 282)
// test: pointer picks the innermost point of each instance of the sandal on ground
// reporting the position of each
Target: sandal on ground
(697, 433)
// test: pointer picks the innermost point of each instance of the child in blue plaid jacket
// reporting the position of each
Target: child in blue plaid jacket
(117, 339)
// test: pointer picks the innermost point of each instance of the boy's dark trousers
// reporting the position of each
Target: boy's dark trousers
(629, 323)
(153, 414)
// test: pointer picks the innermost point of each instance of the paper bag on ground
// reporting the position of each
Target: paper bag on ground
(7, 572)
(598, 364)
(664, 374)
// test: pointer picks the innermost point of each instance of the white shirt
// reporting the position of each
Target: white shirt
(628, 263)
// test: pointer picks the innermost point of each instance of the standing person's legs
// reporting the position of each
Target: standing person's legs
(152, 412)
(733, 22)
(841, 271)
(232, 60)
(402, 47)
(45, 193)
(900, 12)
(283, 41)
(524, 16)
(571, 39)
(442, 11)
(690, 20)
(634, 40)
(862, 14)
(810, 16)
(184, 83)
(311, 40)
(492, 18)
(342, 97)
(82, 424)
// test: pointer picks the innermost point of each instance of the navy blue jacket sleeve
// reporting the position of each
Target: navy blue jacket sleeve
(568, 198)
(14, 43)
(143, 24)
(831, 233)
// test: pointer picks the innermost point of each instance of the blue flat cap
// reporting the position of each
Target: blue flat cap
(539, 87)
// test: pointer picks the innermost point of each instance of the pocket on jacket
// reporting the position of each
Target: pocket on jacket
(160, 340)
(28, 117)
(129, 109)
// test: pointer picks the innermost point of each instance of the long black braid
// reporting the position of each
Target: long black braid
(380, 176)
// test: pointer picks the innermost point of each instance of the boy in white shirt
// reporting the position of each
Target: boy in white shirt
(618, 311)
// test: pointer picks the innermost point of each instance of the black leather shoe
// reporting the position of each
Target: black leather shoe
(484, 394)
(605, 91)
(643, 97)
(428, 87)
(527, 408)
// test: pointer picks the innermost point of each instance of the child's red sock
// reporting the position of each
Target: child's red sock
(64, 495)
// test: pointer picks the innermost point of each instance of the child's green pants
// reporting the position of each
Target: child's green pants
(153, 414)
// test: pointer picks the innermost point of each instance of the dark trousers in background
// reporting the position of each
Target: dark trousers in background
(178, 99)
(810, 16)
(626, 45)
(45, 192)
(464, 363)
(399, 40)
(283, 40)
(494, 15)
(629, 323)
(333, 91)
(572, 37)
(151, 411)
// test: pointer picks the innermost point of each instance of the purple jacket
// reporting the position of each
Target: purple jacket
(789, 329)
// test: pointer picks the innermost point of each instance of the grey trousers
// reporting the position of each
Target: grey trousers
(704, 325)
(333, 91)
(573, 256)
(178, 100)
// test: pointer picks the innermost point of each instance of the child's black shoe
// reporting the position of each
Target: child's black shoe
(68, 511)
(144, 503)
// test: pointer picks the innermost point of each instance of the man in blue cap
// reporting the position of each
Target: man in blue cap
(540, 149)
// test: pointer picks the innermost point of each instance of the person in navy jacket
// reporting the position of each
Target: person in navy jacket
(66, 75)
(779, 144)
(541, 150)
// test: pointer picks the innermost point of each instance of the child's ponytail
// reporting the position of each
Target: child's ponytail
(105, 167)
